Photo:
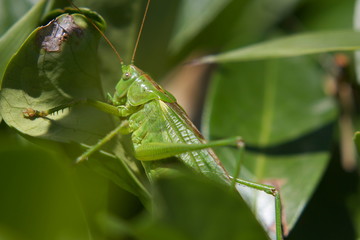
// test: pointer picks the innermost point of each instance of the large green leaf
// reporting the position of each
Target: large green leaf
(40, 197)
(355, 206)
(15, 36)
(224, 25)
(267, 161)
(355, 199)
(301, 44)
(55, 72)
(280, 110)
(357, 27)
(191, 207)
(122, 20)
(50, 69)
(201, 209)
(265, 99)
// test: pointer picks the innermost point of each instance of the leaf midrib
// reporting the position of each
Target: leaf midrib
(269, 88)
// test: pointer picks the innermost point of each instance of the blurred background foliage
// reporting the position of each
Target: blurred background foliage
(297, 116)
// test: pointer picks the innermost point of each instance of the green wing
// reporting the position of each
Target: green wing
(158, 121)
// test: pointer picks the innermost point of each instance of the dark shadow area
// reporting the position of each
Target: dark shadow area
(318, 140)
(328, 215)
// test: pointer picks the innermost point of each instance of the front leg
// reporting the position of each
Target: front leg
(31, 113)
(122, 128)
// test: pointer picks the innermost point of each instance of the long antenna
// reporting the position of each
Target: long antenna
(140, 31)
(101, 33)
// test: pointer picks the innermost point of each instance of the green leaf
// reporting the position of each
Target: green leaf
(280, 110)
(357, 141)
(11, 41)
(12, 11)
(122, 20)
(189, 206)
(55, 72)
(40, 197)
(190, 22)
(296, 45)
(267, 15)
(267, 98)
(328, 15)
(54, 67)
(119, 171)
(357, 27)
(196, 208)
(354, 199)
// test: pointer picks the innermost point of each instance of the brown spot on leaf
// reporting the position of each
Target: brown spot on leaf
(51, 36)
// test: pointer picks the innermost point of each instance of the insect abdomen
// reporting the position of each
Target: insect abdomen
(158, 122)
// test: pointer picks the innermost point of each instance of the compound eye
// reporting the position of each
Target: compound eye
(126, 76)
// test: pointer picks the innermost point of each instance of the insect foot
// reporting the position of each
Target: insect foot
(81, 158)
(240, 142)
(32, 114)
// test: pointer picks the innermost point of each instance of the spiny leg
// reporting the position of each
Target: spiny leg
(272, 191)
(237, 169)
(101, 142)
(160, 150)
(262, 187)
(105, 107)
(31, 113)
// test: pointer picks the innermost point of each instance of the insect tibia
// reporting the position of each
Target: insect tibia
(56, 111)
(262, 187)
(32, 114)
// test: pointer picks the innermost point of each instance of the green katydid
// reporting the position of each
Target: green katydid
(160, 128)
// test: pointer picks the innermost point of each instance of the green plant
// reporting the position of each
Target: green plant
(277, 105)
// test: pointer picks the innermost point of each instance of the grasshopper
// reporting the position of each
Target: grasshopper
(160, 128)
